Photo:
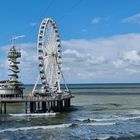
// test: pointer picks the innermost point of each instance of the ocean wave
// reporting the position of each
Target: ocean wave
(103, 137)
(118, 138)
(127, 118)
(115, 119)
(35, 127)
(94, 120)
(134, 112)
(99, 123)
(33, 114)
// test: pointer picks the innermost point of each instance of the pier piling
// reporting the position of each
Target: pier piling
(43, 107)
(26, 105)
(32, 107)
(0, 108)
(4, 107)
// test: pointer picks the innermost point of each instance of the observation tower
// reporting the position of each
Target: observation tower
(12, 87)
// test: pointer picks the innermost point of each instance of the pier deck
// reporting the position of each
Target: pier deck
(41, 104)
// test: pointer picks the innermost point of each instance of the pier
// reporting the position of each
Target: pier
(38, 104)
(49, 97)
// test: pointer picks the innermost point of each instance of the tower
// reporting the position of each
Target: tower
(12, 87)
(13, 55)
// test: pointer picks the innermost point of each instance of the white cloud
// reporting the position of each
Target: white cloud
(96, 60)
(132, 71)
(19, 36)
(110, 59)
(34, 24)
(119, 63)
(107, 59)
(77, 56)
(133, 19)
(28, 66)
(96, 20)
(72, 52)
(132, 57)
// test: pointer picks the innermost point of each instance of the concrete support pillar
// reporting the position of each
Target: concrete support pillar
(38, 105)
(48, 107)
(68, 102)
(54, 105)
(26, 104)
(32, 107)
(44, 107)
(5, 108)
(59, 105)
(51, 105)
(0, 107)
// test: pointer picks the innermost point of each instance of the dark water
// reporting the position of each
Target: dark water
(100, 112)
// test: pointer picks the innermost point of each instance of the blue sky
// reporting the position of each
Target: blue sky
(100, 39)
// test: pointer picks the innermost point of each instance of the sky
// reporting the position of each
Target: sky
(100, 39)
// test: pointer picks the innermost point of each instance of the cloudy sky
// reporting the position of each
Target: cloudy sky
(100, 39)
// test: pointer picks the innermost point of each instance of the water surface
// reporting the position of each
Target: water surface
(100, 111)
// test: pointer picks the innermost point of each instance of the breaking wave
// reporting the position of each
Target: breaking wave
(123, 118)
(100, 123)
(35, 127)
(33, 114)
(118, 138)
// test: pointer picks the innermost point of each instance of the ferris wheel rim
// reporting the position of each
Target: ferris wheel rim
(45, 56)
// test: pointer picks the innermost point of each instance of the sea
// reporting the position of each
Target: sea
(98, 112)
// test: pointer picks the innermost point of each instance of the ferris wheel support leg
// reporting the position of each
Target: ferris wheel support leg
(32, 93)
(58, 87)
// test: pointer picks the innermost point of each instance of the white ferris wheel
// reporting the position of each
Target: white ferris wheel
(49, 55)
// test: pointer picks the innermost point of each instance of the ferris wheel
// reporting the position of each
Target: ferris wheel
(49, 55)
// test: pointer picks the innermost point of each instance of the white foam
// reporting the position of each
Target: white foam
(35, 127)
(33, 114)
(104, 120)
(128, 118)
(95, 120)
(118, 119)
(134, 112)
(100, 123)
(81, 119)
(103, 137)
(121, 118)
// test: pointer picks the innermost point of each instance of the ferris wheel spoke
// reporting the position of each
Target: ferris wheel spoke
(53, 75)
(46, 50)
(49, 69)
(48, 73)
